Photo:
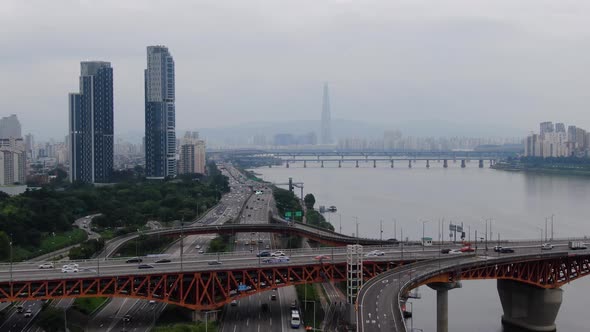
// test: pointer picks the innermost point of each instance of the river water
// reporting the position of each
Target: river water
(517, 203)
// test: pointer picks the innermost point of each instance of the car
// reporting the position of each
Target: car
(467, 249)
(278, 253)
(66, 269)
(127, 318)
(198, 246)
(377, 253)
(20, 309)
(234, 303)
(455, 252)
(546, 246)
(214, 263)
(497, 248)
(260, 241)
(445, 251)
(263, 254)
(152, 302)
(72, 265)
(145, 266)
(294, 305)
(322, 257)
(134, 260)
(506, 250)
(28, 313)
(201, 251)
(163, 260)
(273, 297)
(46, 266)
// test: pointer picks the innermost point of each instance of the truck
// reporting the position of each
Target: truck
(576, 245)
(295, 319)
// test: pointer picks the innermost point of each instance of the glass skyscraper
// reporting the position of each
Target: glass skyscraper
(91, 124)
(160, 114)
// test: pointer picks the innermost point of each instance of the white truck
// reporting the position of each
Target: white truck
(576, 245)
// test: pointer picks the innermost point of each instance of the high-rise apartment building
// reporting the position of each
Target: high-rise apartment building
(91, 124)
(192, 154)
(559, 128)
(160, 114)
(10, 127)
(326, 134)
(12, 161)
(546, 127)
(30, 147)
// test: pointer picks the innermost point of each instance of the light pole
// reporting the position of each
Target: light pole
(402, 241)
(11, 257)
(394, 228)
(314, 326)
(552, 226)
(545, 229)
(340, 220)
(381, 231)
(357, 229)
(182, 243)
(423, 230)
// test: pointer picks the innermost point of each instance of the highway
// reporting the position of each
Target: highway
(143, 313)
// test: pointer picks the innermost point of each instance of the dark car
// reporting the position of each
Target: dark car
(506, 250)
(145, 266)
(127, 318)
(163, 260)
(134, 260)
(445, 251)
(214, 263)
(263, 254)
(273, 297)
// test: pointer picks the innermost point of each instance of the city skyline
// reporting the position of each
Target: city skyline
(497, 67)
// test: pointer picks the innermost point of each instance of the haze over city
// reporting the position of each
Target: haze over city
(495, 67)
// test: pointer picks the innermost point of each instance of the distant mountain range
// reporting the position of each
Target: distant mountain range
(240, 134)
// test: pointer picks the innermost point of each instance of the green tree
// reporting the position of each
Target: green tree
(51, 319)
(309, 201)
(4, 246)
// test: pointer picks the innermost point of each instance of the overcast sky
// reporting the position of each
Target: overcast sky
(475, 63)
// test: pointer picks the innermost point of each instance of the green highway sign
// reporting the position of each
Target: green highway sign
(298, 214)
(288, 214)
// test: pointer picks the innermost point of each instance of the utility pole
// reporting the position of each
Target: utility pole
(381, 231)
(357, 229)
(545, 229)
(402, 241)
(181, 241)
(394, 228)
(340, 219)
(11, 258)
(552, 226)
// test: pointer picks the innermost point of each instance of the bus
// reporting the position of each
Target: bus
(295, 319)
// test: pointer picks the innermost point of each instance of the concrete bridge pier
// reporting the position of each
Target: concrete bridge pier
(427, 163)
(446, 163)
(322, 164)
(463, 163)
(491, 162)
(304, 164)
(339, 163)
(529, 307)
(287, 165)
(318, 157)
(203, 315)
(374, 163)
(269, 166)
(357, 164)
(391, 163)
(442, 303)
(410, 163)
(480, 163)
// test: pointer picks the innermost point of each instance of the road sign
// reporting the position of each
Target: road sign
(242, 287)
(455, 228)
(298, 213)
(288, 214)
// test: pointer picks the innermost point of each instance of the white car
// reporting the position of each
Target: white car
(46, 266)
(546, 246)
(72, 265)
(455, 252)
(278, 254)
(66, 269)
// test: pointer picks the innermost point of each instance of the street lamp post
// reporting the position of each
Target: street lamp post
(423, 230)
(357, 229)
(340, 220)
(11, 257)
(381, 231)
(314, 326)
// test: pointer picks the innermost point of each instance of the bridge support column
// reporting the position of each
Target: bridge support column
(410, 163)
(442, 303)
(287, 165)
(374, 163)
(203, 315)
(529, 307)
(480, 163)
(357, 164)
(427, 163)
(463, 163)
(391, 163)
(304, 164)
(322, 164)
(269, 166)
(339, 163)
(491, 162)
(446, 163)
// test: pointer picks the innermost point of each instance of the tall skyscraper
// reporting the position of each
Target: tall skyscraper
(91, 124)
(326, 135)
(160, 114)
(30, 147)
(546, 127)
(559, 128)
(10, 127)
(192, 154)
(12, 161)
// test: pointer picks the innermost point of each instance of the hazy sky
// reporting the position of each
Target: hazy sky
(478, 63)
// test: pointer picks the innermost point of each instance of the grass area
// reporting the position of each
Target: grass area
(308, 292)
(107, 234)
(88, 305)
(50, 243)
(193, 327)
(145, 245)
